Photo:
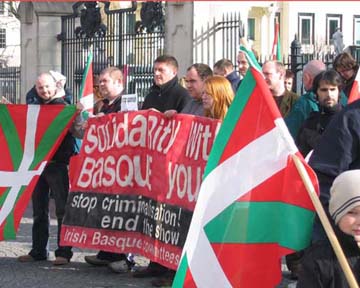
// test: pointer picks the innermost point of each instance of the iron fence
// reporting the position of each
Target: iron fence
(10, 84)
(119, 42)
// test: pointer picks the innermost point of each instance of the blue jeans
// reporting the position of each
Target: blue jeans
(55, 178)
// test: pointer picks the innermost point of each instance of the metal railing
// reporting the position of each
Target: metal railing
(10, 84)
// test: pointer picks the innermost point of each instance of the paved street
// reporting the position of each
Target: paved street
(77, 274)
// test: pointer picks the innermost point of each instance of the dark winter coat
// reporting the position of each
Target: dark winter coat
(107, 108)
(320, 267)
(234, 80)
(338, 149)
(313, 128)
(170, 96)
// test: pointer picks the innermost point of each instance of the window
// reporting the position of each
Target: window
(357, 29)
(2, 38)
(251, 28)
(333, 21)
(306, 28)
(2, 8)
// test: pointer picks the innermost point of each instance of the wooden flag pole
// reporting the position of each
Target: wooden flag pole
(326, 223)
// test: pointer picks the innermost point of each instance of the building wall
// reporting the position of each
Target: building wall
(41, 52)
(10, 56)
(205, 12)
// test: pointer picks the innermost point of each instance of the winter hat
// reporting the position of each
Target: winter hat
(344, 194)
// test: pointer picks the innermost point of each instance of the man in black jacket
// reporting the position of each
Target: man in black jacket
(55, 178)
(166, 93)
(337, 151)
(224, 67)
(327, 88)
(111, 86)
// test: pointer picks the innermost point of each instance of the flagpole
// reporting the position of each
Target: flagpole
(326, 223)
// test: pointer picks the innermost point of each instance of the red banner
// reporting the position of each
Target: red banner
(135, 183)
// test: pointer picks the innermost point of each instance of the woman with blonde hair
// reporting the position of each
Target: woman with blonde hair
(217, 97)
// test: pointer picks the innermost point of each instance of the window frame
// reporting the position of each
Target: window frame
(306, 16)
(251, 19)
(355, 20)
(2, 8)
(331, 17)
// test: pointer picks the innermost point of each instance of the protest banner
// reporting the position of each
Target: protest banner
(135, 183)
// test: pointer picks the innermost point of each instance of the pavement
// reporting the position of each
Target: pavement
(77, 274)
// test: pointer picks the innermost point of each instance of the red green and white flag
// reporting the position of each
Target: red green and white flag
(29, 136)
(87, 87)
(276, 53)
(253, 207)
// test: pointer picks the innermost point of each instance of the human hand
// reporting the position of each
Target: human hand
(79, 107)
(84, 125)
(170, 113)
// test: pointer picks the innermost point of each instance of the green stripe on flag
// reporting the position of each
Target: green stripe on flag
(242, 97)
(11, 136)
(181, 273)
(52, 133)
(9, 227)
(85, 74)
(262, 222)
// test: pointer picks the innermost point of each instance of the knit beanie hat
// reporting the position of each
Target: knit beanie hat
(344, 194)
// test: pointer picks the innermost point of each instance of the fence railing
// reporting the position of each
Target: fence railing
(10, 84)
(122, 45)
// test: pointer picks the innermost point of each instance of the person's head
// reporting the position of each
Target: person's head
(45, 86)
(242, 62)
(311, 69)
(345, 65)
(195, 77)
(111, 83)
(217, 97)
(289, 80)
(344, 204)
(223, 67)
(274, 73)
(165, 69)
(327, 87)
(97, 94)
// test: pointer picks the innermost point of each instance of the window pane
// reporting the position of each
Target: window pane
(2, 8)
(305, 31)
(333, 24)
(2, 38)
(357, 31)
(251, 28)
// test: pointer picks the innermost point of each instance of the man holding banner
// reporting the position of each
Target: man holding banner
(111, 86)
(54, 178)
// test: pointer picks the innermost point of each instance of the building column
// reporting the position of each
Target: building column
(179, 33)
(40, 50)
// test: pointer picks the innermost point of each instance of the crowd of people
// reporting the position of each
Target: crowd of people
(320, 122)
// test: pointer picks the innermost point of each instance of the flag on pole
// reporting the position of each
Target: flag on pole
(87, 87)
(276, 53)
(253, 207)
(355, 89)
(29, 136)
